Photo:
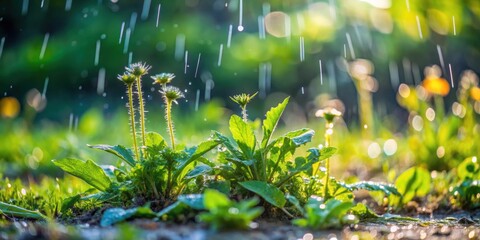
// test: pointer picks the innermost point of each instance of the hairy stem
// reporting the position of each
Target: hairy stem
(244, 114)
(142, 108)
(168, 116)
(132, 120)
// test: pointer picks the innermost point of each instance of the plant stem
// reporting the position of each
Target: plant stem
(328, 137)
(168, 111)
(142, 109)
(132, 120)
(244, 114)
(439, 107)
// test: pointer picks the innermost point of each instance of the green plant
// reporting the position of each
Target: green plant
(414, 182)
(467, 190)
(159, 174)
(320, 214)
(224, 214)
(265, 167)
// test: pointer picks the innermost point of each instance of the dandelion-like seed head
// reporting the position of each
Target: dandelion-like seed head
(138, 69)
(163, 78)
(127, 78)
(243, 99)
(171, 94)
(328, 113)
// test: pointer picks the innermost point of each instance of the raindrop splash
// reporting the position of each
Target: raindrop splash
(101, 81)
(127, 40)
(179, 46)
(145, 9)
(419, 27)
(44, 45)
(219, 63)
(45, 86)
(198, 63)
(158, 15)
(121, 33)
(229, 38)
(97, 53)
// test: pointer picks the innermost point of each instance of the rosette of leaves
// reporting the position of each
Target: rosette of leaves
(265, 165)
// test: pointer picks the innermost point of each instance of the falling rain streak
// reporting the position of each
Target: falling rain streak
(45, 86)
(101, 81)
(186, 62)
(394, 75)
(198, 63)
(70, 122)
(240, 17)
(197, 99)
(219, 63)
(451, 74)
(179, 46)
(208, 89)
(121, 33)
(321, 71)
(419, 27)
(440, 57)
(44, 45)
(302, 49)
(261, 27)
(41, 4)
(25, 7)
(229, 38)
(145, 9)
(133, 21)
(97, 53)
(454, 26)
(130, 57)
(2, 43)
(350, 46)
(68, 5)
(127, 40)
(158, 15)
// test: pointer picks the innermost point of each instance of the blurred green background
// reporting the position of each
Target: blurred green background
(73, 50)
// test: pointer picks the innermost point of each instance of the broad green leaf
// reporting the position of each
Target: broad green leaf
(303, 138)
(373, 186)
(415, 182)
(115, 215)
(198, 170)
(12, 210)
(243, 135)
(324, 152)
(88, 171)
(294, 201)
(194, 201)
(271, 121)
(227, 144)
(68, 203)
(336, 209)
(202, 148)
(270, 193)
(213, 199)
(117, 150)
(468, 169)
(153, 139)
(363, 212)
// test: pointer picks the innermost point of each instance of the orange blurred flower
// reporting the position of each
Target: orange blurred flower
(436, 85)
(9, 107)
(475, 93)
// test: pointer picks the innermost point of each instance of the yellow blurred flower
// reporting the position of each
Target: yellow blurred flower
(9, 107)
(436, 85)
(475, 93)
